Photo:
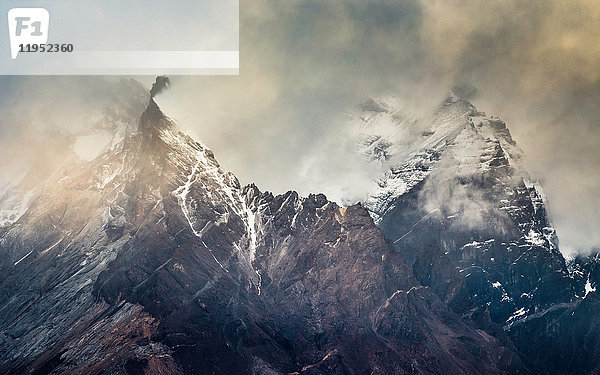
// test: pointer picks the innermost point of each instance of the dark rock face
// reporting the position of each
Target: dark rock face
(585, 270)
(462, 191)
(151, 259)
(355, 296)
(458, 204)
(562, 339)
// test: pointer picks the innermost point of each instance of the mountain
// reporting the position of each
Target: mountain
(456, 200)
(149, 258)
(152, 259)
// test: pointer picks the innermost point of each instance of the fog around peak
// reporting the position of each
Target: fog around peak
(306, 66)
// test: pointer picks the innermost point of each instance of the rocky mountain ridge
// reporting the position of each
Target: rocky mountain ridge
(456, 199)
(152, 259)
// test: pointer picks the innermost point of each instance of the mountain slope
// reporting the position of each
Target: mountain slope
(457, 201)
(151, 259)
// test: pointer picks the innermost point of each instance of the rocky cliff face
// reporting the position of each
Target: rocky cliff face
(586, 272)
(152, 259)
(456, 200)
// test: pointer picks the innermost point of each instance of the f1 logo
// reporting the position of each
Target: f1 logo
(27, 26)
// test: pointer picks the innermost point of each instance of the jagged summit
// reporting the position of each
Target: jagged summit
(151, 258)
(455, 198)
(154, 119)
(456, 138)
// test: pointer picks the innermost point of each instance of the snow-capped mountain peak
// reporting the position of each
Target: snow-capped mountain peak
(151, 256)
(458, 171)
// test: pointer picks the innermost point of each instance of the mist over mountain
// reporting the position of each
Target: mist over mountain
(150, 258)
(535, 65)
(307, 63)
(456, 200)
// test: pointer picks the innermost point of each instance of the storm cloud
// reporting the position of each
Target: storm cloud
(307, 64)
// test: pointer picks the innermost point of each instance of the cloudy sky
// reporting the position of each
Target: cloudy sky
(305, 65)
